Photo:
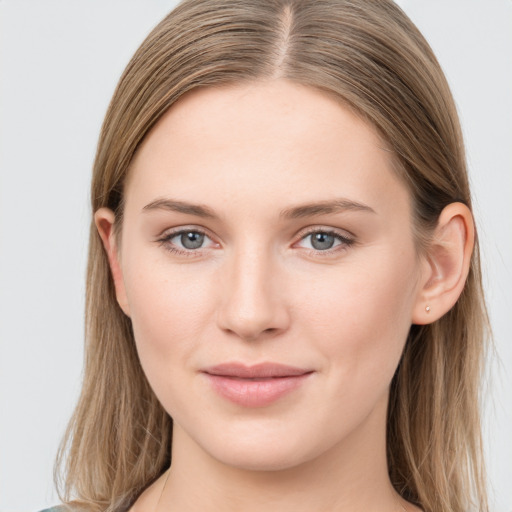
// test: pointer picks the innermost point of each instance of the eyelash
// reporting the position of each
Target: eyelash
(346, 242)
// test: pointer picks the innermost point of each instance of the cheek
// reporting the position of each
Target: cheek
(361, 315)
(169, 309)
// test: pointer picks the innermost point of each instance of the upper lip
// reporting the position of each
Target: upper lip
(262, 370)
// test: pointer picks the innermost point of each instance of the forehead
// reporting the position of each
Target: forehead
(258, 109)
(255, 140)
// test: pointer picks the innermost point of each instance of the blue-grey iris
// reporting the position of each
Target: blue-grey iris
(322, 240)
(192, 239)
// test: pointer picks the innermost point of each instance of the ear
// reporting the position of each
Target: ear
(104, 220)
(446, 264)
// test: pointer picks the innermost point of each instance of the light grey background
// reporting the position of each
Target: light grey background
(59, 63)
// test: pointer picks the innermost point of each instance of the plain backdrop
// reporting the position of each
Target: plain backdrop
(59, 63)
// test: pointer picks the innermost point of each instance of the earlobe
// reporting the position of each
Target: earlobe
(447, 264)
(104, 219)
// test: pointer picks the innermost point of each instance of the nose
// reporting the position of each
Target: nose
(252, 302)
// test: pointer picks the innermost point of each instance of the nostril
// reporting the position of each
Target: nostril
(251, 307)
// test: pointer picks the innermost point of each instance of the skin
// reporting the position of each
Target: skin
(258, 290)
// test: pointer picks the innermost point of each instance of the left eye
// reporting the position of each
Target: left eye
(325, 240)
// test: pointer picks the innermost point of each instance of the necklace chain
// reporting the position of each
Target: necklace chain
(163, 489)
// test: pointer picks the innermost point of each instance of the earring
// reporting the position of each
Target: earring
(427, 309)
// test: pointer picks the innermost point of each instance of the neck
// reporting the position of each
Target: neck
(351, 476)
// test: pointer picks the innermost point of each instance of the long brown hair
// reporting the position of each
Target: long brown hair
(370, 56)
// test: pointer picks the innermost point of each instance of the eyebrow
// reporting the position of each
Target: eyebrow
(323, 208)
(173, 205)
(294, 212)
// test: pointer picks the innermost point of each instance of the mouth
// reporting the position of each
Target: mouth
(258, 385)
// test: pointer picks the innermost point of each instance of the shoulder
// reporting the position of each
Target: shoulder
(59, 508)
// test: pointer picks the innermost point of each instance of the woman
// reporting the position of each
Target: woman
(283, 260)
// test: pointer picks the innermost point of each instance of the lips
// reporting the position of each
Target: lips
(255, 386)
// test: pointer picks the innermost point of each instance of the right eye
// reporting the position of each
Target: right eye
(186, 242)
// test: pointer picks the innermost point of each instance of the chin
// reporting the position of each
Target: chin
(264, 449)
(261, 458)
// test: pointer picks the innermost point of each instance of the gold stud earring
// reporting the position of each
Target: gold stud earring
(427, 309)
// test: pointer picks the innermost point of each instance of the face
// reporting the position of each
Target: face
(268, 265)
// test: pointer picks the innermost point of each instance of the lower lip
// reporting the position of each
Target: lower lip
(255, 393)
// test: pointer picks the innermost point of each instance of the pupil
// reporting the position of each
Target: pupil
(322, 241)
(192, 240)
